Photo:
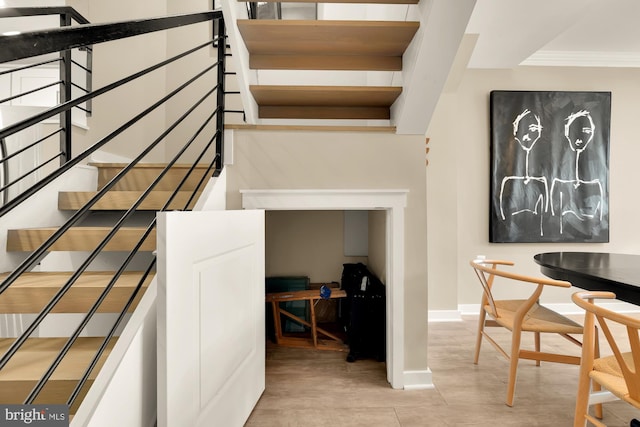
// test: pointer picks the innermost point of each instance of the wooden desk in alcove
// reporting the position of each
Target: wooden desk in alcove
(330, 342)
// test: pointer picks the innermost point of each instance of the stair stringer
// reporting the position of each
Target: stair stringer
(427, 62)
(214, 194)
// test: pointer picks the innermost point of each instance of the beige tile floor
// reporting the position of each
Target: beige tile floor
(308, 388)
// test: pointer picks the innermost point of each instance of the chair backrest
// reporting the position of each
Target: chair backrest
(487, 270)
(607, 319)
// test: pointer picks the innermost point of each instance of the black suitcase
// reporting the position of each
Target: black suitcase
(363, 313)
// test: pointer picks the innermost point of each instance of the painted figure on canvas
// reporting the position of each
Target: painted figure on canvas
(577, 199)
(525, 194)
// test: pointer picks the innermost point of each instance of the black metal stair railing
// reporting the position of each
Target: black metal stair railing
(204, 145)
(74, 74)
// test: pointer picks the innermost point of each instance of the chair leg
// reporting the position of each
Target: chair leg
(481, 320)
(597, 409)
(537, 345)
(582, 401)
(513, 365)
(590, 348)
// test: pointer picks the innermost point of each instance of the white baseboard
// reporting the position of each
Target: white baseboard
(444, 316)
(418, 380)
(562, 308)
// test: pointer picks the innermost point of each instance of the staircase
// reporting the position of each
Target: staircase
(33, 291)
(293, 47)
(372, 65)
(327, 45)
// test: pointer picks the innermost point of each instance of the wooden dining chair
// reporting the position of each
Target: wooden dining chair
(618, 373)
(518, 316)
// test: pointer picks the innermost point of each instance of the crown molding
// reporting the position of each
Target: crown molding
(551, 58)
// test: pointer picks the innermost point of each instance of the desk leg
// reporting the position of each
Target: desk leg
(276, 321)
(314, 332)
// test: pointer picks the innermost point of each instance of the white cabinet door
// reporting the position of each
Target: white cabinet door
(211, 338)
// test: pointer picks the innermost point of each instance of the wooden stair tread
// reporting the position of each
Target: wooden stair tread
(336, 102)
(143, 174)
(25, 369)
(89, 279)
(79, 239)
(32, 291)
(36, 354)
(123, 200)
(302, 44)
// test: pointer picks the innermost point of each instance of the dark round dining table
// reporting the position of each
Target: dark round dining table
(595, 271)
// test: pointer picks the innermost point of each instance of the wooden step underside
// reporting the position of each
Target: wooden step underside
(324, 102)
(32, 291)
(142, 175)
(21, 374)
(326, 45)
(123, 200)
(79, 239)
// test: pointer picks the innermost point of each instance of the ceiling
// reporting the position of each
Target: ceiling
(522, 32)
(555, 33)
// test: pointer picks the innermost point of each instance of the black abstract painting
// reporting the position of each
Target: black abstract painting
(549, 166)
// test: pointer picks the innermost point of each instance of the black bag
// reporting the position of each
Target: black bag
(363, 313)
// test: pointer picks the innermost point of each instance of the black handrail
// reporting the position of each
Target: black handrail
(216, 164)
(35, 43)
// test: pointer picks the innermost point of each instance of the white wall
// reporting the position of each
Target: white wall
(458, 177)
(306, 243)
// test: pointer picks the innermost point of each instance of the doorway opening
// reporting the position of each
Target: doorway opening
(307, 254)
(392, 202)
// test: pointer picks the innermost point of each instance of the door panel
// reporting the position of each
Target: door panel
(210, 317)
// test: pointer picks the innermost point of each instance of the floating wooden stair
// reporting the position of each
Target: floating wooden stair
(324, 102)
(32, 291)
(24, 370)
(79, 239)
(140, 177)
(326, 45)
(123, 200)
(130, 187)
